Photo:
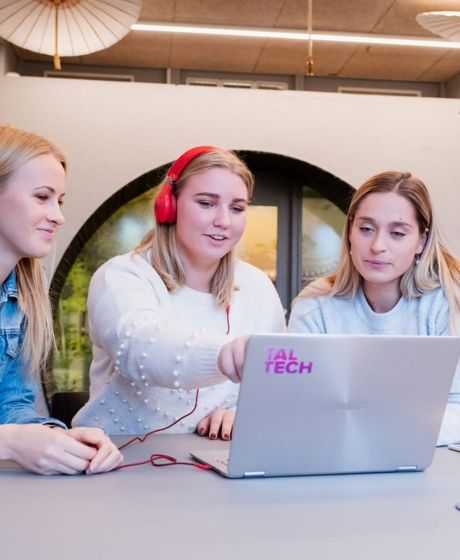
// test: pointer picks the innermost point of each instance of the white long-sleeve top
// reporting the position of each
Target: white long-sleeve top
(425, 315)
(153, 349)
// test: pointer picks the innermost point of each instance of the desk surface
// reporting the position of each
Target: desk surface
(182, 512)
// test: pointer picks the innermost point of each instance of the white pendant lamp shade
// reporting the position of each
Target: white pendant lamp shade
(67, 27)
(444, 24)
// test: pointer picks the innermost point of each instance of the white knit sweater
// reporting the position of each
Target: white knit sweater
(426, 315)
(152, 350)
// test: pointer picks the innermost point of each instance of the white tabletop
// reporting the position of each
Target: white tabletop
(182, 512)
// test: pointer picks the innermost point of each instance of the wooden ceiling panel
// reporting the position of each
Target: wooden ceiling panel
(286, 57)
(158, 10)
(389, 63)
(215, 53)
(334, 15)
(22, 54)
(400, 18)
(138, 49)
(445, 68)
(224, 54)
(247, 13)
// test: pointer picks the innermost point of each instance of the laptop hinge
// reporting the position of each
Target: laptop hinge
(254, 473)
(408, 468)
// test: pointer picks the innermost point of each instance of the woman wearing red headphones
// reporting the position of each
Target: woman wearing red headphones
(173, 316)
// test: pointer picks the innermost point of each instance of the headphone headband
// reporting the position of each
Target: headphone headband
(182, 161)
(165, 207)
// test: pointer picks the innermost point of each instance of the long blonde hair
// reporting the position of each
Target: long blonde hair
(161, 240)
(17, 147)
(435, 267)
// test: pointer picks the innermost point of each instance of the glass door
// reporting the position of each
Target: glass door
(272, 237)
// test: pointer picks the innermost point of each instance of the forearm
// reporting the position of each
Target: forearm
(17, 400)
(21, 413)
(159, 353)
(132, 321)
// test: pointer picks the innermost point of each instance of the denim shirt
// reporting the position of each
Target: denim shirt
(17, 389)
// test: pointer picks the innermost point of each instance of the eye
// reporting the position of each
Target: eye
(41, 196)
(398, 234)
(366, 229)
(205, 203)
(237, 209)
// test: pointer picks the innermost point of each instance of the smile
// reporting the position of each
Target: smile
(217, 237)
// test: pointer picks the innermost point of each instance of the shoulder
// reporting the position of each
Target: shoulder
(434, 300)
(438, 294)
(128, 263)
(254, 287)
(307, 314)
(257, 300)
(433, 311)
(434, 307)
(249, 276)
(125, 272)
(320, 313)
(304, 305)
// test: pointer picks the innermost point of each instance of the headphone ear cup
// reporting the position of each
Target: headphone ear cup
(166, 206)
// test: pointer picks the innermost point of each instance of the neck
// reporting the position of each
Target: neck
(6, 266)
(198, 276)
(382, 298)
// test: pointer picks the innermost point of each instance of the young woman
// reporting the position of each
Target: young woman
(32, 188)
(395, 276)
(171, 317)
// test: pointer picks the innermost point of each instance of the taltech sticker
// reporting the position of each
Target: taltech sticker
(284, 360)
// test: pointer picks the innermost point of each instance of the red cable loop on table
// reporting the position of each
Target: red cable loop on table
(170, 461)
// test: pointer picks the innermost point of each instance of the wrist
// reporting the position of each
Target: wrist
(8, 435)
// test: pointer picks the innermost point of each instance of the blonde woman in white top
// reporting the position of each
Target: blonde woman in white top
(173, 316)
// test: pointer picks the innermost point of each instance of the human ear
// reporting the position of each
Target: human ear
(422, 242)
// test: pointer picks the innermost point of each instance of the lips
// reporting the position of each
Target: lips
(216, 237)
(48, 232)
(377, 264)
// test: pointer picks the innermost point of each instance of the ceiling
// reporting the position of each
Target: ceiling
(269, 56)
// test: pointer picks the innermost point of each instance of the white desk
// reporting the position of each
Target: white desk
(181, 512)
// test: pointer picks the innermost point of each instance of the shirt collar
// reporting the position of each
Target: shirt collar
(9, 288)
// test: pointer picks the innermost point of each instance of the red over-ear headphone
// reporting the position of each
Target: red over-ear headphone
(165, 207)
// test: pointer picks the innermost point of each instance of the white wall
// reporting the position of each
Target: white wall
(114, 132)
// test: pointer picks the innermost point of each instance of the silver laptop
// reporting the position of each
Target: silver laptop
(329, 404)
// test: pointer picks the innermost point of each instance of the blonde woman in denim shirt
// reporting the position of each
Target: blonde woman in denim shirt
(32, 187)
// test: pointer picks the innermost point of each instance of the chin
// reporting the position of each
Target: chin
(379, 279)
(38, 253)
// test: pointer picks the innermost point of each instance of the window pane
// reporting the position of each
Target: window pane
(119, 234)
(259, 242)
(322, 224)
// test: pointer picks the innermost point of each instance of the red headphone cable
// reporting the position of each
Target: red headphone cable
(154, 458)
(159, 459)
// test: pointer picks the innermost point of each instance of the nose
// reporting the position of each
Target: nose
(378, 244)
(56, 216)
(222, 216)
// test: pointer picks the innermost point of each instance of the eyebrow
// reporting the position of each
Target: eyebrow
(216, 196)
(395, 223)
(51, 189)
